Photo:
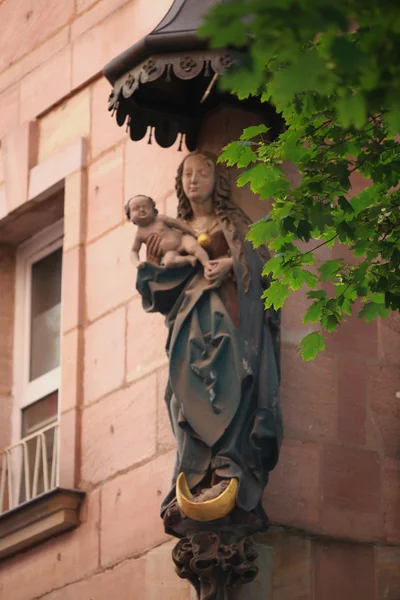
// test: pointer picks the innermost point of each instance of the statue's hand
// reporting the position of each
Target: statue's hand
(154, 252)
(215, 271)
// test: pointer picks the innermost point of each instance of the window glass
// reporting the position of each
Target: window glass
(45, 314)
(39, 415)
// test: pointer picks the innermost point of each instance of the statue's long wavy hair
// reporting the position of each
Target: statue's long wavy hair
(228, 213)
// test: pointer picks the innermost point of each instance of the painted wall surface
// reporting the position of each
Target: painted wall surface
(335, 494)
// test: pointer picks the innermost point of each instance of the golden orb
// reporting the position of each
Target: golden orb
(204, 240)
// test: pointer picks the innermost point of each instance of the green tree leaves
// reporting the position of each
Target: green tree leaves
(276, 294)
(375, 307)
(311, 345)
(238, 154)
(338, 89)
(253, 131)
(351, 110)
(329, 269)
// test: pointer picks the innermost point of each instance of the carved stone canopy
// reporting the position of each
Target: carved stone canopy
(164, 84)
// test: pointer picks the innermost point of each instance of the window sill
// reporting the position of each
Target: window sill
(47, 515)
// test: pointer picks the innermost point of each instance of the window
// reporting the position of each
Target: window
(38, 481)
(30, 466)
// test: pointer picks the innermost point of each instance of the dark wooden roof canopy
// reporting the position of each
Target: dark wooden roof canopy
(160, 83)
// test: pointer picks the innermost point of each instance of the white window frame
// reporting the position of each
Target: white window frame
(27, 392)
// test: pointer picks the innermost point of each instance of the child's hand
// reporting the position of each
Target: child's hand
(154, 251)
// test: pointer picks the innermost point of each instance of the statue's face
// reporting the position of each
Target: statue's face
(198, 179)
(141, 211)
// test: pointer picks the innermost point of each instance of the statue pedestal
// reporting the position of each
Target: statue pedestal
(216, 561)
(220, 558)
(261, 587)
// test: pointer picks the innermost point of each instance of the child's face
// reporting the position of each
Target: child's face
(141, 211)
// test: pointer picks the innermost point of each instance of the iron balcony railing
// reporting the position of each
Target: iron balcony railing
(29, 467)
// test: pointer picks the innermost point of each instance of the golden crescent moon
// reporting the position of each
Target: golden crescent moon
(209, 510)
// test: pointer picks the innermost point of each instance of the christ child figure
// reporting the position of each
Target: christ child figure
(175, 236)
